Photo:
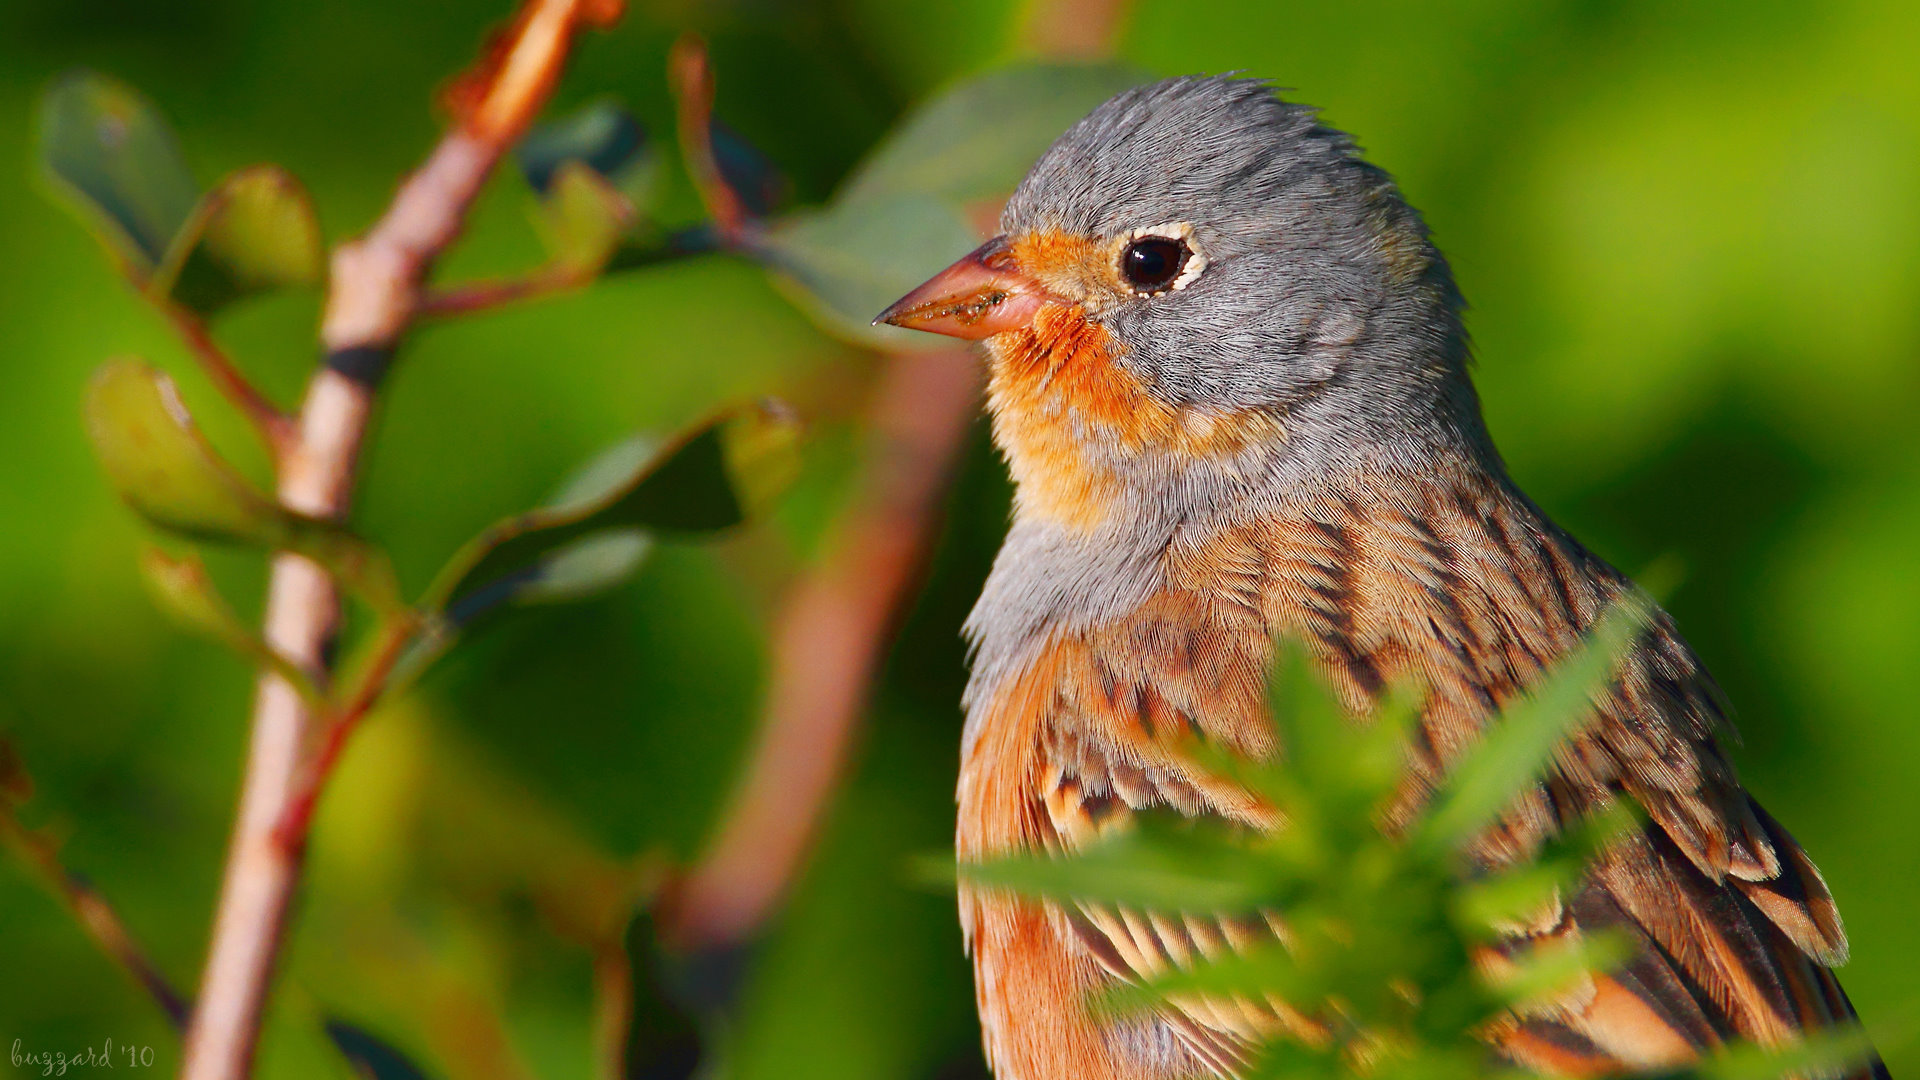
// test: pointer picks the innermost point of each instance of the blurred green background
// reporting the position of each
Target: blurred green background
(1692, 238)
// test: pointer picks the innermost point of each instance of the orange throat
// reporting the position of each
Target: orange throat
(1068, 415)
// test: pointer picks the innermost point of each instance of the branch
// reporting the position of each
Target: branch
(303, 794)
(472, 296)
(548, 279)
(374, 297)
(96, 916)
(830, 640)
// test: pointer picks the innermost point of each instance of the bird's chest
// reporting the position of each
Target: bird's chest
(1097, 665)
(1098, 717)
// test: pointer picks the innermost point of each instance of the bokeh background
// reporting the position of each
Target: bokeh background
(1691, 234)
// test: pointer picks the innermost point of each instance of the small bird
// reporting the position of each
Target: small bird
(1228, 373)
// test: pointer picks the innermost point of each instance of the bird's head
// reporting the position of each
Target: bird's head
(1197, 273)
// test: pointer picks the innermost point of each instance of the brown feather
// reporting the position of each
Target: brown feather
(1466, 589)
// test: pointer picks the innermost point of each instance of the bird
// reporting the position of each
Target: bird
(1228, 371)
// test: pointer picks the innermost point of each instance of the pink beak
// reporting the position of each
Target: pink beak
(983, 294)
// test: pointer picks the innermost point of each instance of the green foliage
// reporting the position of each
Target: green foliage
(592, 534)
(115, 159)
(158, 461)
(597, 177)
(255, 232)
(181, 590)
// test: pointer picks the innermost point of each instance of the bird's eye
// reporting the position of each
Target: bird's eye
(1153, 263)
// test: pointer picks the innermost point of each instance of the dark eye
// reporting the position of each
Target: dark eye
(1153, 263)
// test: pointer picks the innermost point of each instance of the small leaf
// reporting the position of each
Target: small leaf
(976, 140)
(372, 1057)
(157, 460)
(160, 464)
(1154, 865)
(1256, 973)
(705, 481)
(112, 155)
(582, 219)
(587, 566)
(1828, 1052)
(182, 590)
(852, 259)
(602, 136)
(253, 233)
(1487, 907)
(749, 172)
(1548, 970)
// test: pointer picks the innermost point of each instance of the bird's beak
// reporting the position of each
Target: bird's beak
(983, 294)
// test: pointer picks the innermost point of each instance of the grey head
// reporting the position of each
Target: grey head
(1320, 295)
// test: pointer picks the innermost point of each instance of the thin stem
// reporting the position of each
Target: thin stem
(472, 296)
(274, 426)
(612, 1006)
(550, 279)
(690, 77)
(371, 683)
(374, 296)
(97, 917)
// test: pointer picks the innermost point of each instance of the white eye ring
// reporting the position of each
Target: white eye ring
(1180, 232)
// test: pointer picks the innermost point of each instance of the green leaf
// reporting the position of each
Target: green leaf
(597, 176)
(1253, 973)
(1520, 743)
(1828, 1052)
(602, 136)
(181, 590)
(976, 140)
(1156, 865)
(709, 479)
(592, 564)
(1549, 970)
(157, 460)
(852, 259)
(255, 232)
(1486, 905)
(116, 161)
(582, 219)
